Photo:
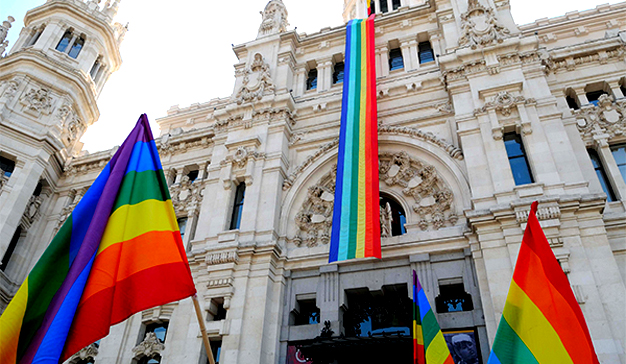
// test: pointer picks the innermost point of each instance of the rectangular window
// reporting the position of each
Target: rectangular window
(396, 4)
(384, 7)
(517, 159)
(235, 220)
(571, 102)
(65, 41)
(604, 181)
(338, 72)
(311, 81)
(9, 252)
(7, 165)
(193, 175)
(216, 348)
(395, 59)
(77, 47)
(426, 53)
(308, 313)
(159, 329)
(619, 154)
(453, 298)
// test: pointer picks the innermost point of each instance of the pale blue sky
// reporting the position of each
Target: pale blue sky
(168, 59)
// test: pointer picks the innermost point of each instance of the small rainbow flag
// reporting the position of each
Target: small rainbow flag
(429, 345)
(119, 252)
(542, 322)
(356, 215)
(369, 7)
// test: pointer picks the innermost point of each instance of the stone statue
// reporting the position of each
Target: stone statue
(386, 219)
(4, 29)
(274, 18)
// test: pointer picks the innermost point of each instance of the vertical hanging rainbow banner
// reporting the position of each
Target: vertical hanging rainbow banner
(356, 214)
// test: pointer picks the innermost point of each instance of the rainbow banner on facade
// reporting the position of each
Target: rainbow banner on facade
(429, 345)
(542, 322)
(119, 252)
(356, 214)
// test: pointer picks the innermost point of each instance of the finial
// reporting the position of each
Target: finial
(4, 28)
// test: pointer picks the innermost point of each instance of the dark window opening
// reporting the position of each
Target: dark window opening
(154, 359)
(517, 159)
(593, 96)
(453, 298)
(373, 7)
(240, 193)
(311, 81)
(64, 42)
(384, 8)
(216, 348)
(86, 361)
(602, 177)
(217, 310)
(395, 4)
(77, 47)
(398, 217)
(308, 313)
(395, 59)
(426, 53)
(378, 313)
(623, 88)
(182, 226)
(38, 189)
(35, 37)
(619, 154)
(338, 72)
(7, 165)
(572, 103)
(193, 175)
(9, 252)
(159, 329)
(95, 68)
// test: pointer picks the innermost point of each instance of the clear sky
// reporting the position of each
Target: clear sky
(179, 52)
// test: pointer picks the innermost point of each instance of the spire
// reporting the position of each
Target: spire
(4, 31)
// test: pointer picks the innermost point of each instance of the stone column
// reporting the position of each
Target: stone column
(324, 74)
(300, 81)
(495, 151)
(582, 96)
(617, 91)
(382, 62)
(407, 56)
(611, 168)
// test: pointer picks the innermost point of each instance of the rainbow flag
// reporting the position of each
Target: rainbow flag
(356, 215)
(429, 345)
(118, 253)
(542, 322)
(369, 7)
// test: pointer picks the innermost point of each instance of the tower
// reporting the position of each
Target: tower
(49, 84)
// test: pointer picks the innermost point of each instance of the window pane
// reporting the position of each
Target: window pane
(311, 82)
(520, 170)
(383, 6)
(77, 47)
(396, 4)
(572, 103)
(594, 96)
(619, 153)
(7, 165)
(65, 41)
(599, 168)
(513, 145)
(193, 175)
(182, 226)
(338, 72)
(426, 52)
(395, 59)
(238, 206)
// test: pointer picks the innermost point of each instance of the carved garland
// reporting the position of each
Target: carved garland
(453, 151)
(432, 200)
(480, 27)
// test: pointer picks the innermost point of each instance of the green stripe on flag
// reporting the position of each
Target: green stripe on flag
(509, 348)
(138, 187)
(430, 327)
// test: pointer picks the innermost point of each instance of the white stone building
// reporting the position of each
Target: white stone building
(478, 117)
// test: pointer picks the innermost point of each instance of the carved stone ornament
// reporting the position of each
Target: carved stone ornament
(480, 27)
(10, 89)
(433, 201)
(274, 18)
(32, 209)
(38, 100)
(386, 220)
(504, 103)
(187, 196)
(150, 346)
(257, 81)
(71, 125)
(86, 353)
(608, 118)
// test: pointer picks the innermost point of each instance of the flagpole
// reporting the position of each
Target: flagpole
(205, 338)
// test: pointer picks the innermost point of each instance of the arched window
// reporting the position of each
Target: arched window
(392, 217)
(65, 41)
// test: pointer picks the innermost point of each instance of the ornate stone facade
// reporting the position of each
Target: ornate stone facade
(266, 153)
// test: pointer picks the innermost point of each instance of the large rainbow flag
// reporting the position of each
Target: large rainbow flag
(118, 253)
(542, 322)
(356, 215)
(429, 345)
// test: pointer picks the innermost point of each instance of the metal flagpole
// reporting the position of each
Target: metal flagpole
(205, 338)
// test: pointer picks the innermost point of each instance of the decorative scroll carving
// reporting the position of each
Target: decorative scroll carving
(570, 63)
(321, 150)
(433, 201)
(316, 216)
(187, 196)
(222, 258)
(150, 347)
(609, 118)
(257, 81)
(38, 100)
(86, 353)
(543, 213)
(10, 90)
(32, 209)
(274, 18)
(168, 147)
(71, 125)
(480, 27)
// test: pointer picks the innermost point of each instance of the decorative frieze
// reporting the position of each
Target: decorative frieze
(543, 213)
(222, 258)
(220, 283)
(453, 151)
(38, 100)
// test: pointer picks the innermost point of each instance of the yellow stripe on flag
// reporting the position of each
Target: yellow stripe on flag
(437, 352)
(11, 325)
(533, 328)
(131, 221)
